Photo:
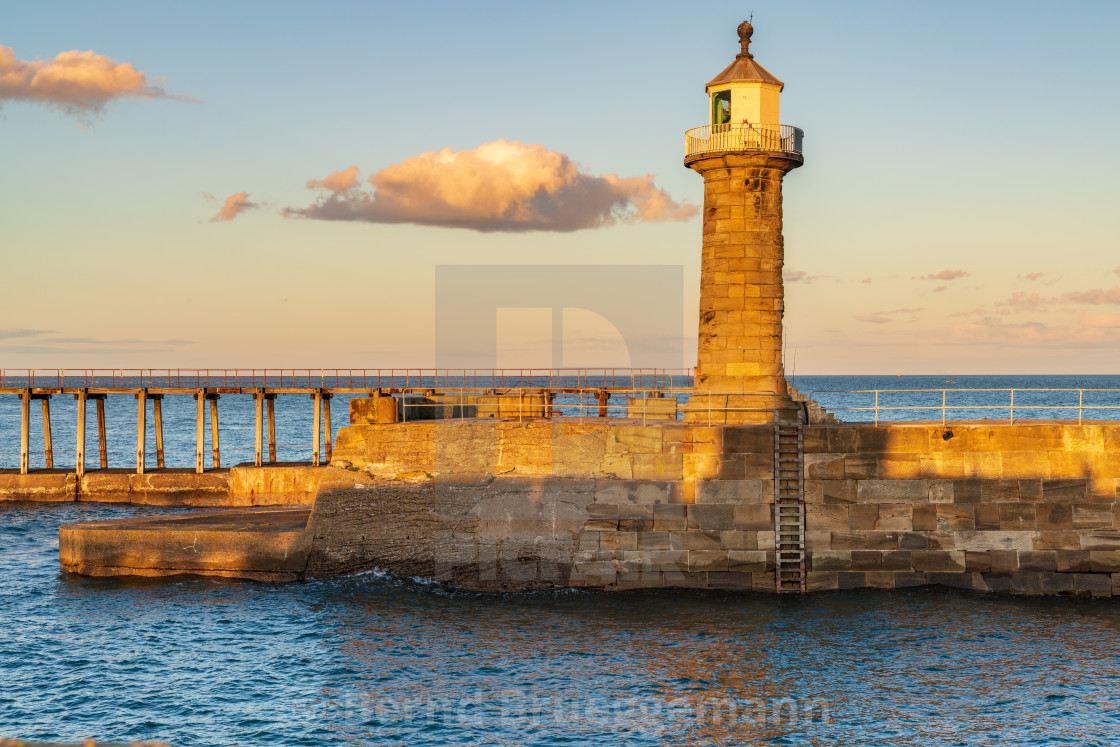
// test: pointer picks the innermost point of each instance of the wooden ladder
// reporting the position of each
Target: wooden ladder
(789, 508)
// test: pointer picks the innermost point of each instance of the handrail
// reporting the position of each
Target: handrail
(744, 137)
(945, 407)
(350, 378)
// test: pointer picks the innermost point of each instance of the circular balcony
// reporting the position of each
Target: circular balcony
(744, 138)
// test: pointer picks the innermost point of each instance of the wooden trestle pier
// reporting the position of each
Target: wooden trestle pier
(264, 402)
(264, 385)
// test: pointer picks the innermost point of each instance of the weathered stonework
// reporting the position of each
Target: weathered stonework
(741, 287)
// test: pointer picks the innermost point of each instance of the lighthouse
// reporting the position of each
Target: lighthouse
(743, 153)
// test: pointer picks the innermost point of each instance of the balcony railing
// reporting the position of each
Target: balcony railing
(785, 139)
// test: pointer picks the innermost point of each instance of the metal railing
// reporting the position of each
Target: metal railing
(345, 378)
(731, 137)
(977, 400)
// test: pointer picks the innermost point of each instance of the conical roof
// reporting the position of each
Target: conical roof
(744, 68)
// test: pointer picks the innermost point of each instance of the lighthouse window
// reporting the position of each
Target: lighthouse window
(721, 107)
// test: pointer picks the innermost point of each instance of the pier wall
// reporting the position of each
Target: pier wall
(1026, 508)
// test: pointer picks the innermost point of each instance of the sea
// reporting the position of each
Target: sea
(375, 659)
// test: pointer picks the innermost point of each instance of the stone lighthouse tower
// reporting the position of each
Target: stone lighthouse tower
(743, 153)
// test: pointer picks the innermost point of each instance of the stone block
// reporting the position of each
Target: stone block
(938, 560)
(1104, 561)
(653, 492)
(738, 540)
(1070, 540)
(757, 517)
(925, 518)
(711, 516)
(904, 579)
(880, 580)
(729, 491)
(896, 517)
(824, 466)
(1004, 560)
(1092, 516)
(686, 579)
(1025, 465)
(831, 560)
(1065, 491)
(669, 517)
(851, 580)
(735, 581)
(694, 540)
(986, 516)
(941, 540)
(970, 581)
(665, 560)
(818, 540)
(603, 510)
(956, 517)
(999, 582)
(1053, 516)
(588, 540)
(821, 581)
(968, 491)
(863, 516)
(1043, 582)
(653, 540)
(913, 541)
(1069, 561)
(874, 540)
(867, 560)
(1000, 491)
(943, 465)
(1038, 560)
(747, 561)
(899, 467)
(839, 491)
(1096, 584)
(898, 560)
(861, 466)
(977, 540)
(707, 560)
(601, 525)
(892, 491)
(827, 518)
(1017, 516)
(1100, 540)
(977, 561)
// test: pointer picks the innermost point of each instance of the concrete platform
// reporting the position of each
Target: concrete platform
(263, 544)
(243, 485)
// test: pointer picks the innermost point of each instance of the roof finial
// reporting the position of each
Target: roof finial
(745, 31)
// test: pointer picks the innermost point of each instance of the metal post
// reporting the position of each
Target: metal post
(48, 450)
(943, 407)
(329, 443)
(200, 404)
(24, 430)
(102, 440)
(1012, 407)
(317, 399)
(157, 412)
(216, 454)
(876, 407)
(141, 428)
(80, 458)
(271, 400)
(258, 406)
(1080, 404)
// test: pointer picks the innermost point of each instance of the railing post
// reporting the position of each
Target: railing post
(80, 458)
(942, 408)
(876, 407)
(48, 448)
(24, 430)
(1080, 404)
(200, 405)
(1012, 407)
(258, 408)
(141, 430)
(317, 399)
(214, 438)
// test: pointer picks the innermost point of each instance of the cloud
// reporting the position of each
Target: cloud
(1105, 321)
(945, 275)
(1020, 301)
(42, 341)
(80, 83)
(799, 276)
(1033, 276)
(500, 186)
(884, 317)
(13, 333)
(1116, 271)
(939, 289)
(1098, 297)
(866, 280)
(337, 182)
(235, 204)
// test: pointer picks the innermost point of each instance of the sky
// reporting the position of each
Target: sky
(274, 184)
